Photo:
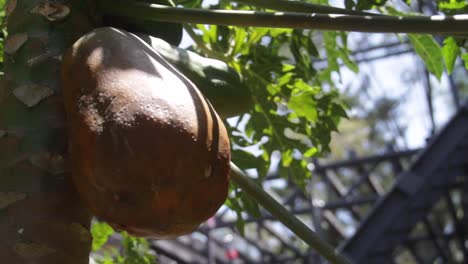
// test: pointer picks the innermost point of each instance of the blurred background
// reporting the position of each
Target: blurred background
(396, 110)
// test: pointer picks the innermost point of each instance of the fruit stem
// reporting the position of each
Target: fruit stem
(397, 24)
(285, 217)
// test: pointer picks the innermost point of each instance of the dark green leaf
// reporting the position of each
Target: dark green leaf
(465, 59)
(101, 233)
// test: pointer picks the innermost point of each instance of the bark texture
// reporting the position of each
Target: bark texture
(41, 218)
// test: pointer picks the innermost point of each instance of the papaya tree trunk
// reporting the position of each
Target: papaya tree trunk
(41, 217)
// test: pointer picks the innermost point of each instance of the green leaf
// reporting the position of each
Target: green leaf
(136, 250)
(453, 4)
(368, 4)
(245, 159)
(430, 52)
(349, 4)
(338, 110)
(304, 104)
(332, 56)
(286, 158)
(311, 153)
(275, 32)
(234, 203)
(240, 36)
(450, 50)
(288, 67)
(344, 56)
(101, 233)
(465, 59)
(249, 204)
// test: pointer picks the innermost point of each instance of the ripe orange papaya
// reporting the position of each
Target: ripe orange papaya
(148, 153)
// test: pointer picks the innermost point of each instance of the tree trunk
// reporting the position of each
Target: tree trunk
(41, 217)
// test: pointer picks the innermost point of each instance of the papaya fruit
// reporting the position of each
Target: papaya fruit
(148, 153)
(221, 84)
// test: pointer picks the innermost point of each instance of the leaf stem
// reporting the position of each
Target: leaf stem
(337, 22)
(285, 217)
(302, 7)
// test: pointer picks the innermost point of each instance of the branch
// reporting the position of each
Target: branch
(285, 217)
(336, 22)
(302, 7)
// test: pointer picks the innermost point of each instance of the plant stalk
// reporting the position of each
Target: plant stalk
(302, 7)
(334, 22)
(285, 217)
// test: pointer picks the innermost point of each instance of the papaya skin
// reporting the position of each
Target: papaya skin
(149, 155)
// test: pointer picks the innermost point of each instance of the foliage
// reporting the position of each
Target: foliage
(293, 114)
(132, 250)
(454, 46)
(101, 233)
(430, 52)
(450, 51)
(452, 5)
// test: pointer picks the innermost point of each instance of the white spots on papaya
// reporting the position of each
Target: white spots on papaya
(20, 231)
(88, 108)
(32, 94)
(9, 198)
(13, 43)
(52, 11)
(32, 250)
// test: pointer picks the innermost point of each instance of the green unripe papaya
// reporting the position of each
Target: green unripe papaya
(221, 84)
(170, 32)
